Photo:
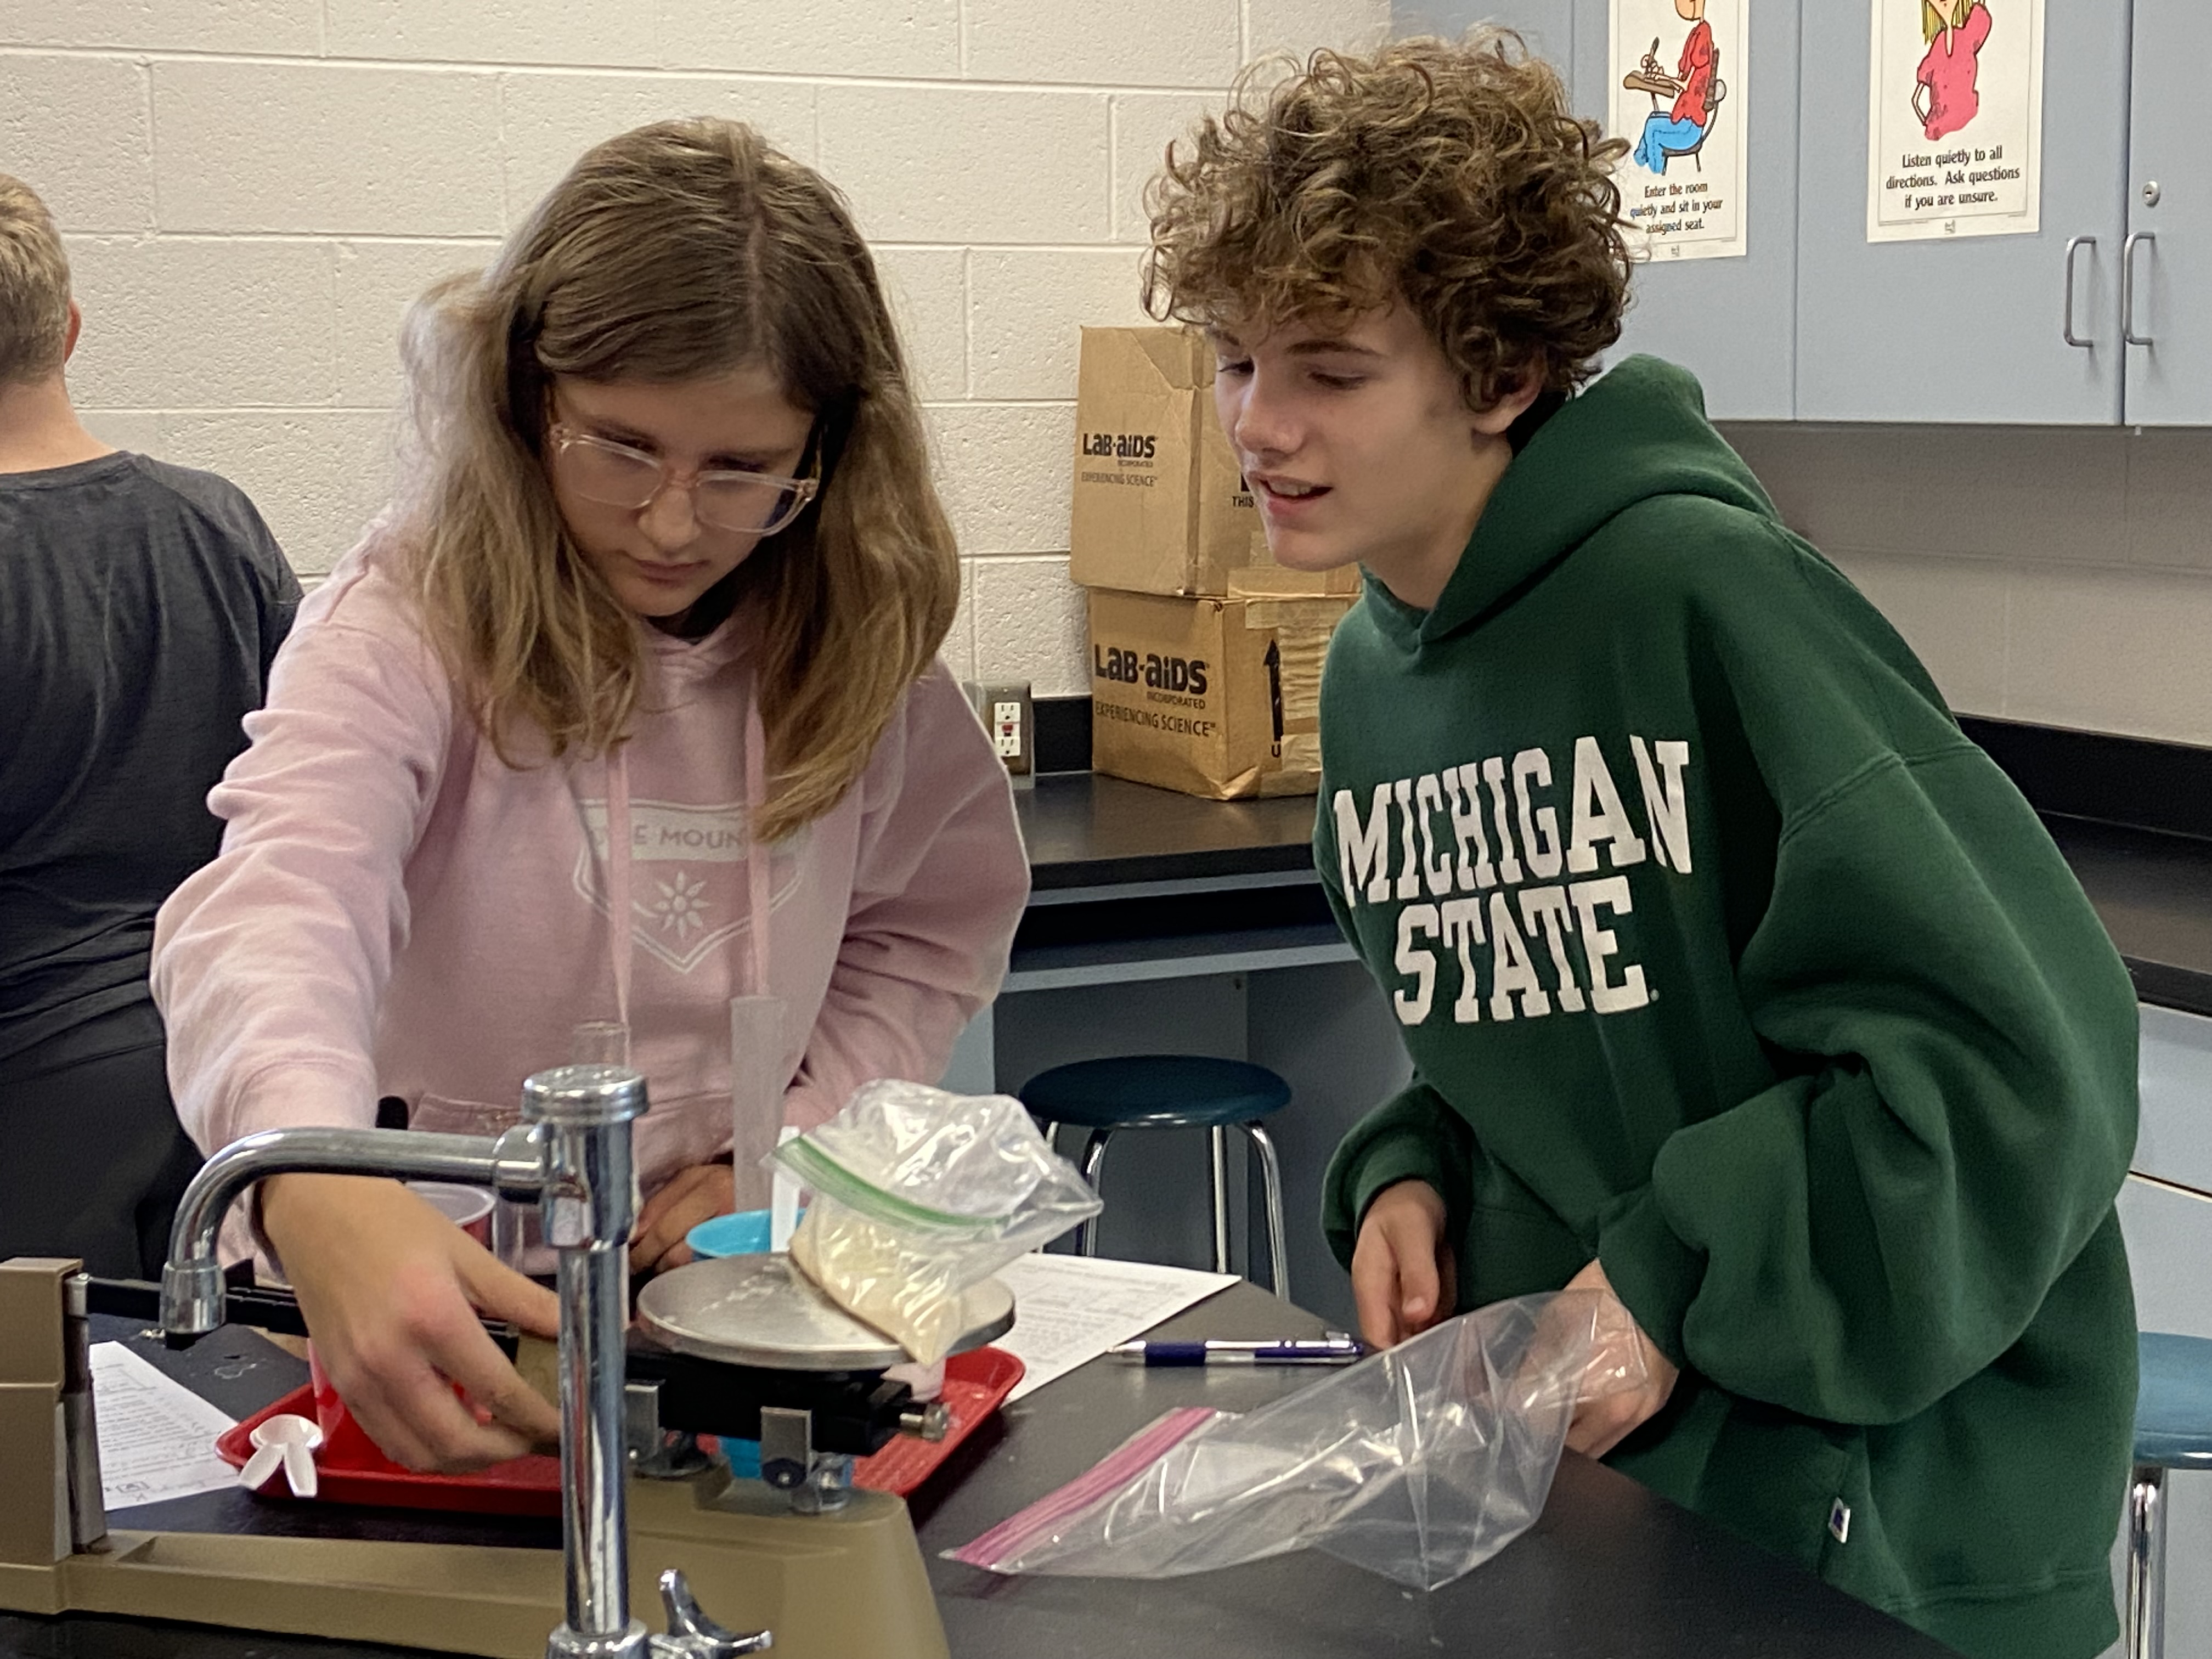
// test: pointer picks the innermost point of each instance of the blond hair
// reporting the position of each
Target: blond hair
(1452, 176)
(1934, 21)
(34, 286)
(681, 249)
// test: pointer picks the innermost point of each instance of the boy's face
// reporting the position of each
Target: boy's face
(1357, 445)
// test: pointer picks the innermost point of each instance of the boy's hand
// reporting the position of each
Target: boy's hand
(1603, 1421)
(1403, 1279)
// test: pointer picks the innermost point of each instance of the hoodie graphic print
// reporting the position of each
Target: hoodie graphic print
(1502, 923)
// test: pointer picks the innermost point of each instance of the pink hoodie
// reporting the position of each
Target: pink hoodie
(395, 911)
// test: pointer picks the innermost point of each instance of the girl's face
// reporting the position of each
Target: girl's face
(660, 557)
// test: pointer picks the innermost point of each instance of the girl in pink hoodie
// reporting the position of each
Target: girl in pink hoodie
(628, 709)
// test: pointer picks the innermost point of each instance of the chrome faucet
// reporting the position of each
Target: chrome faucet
(572, 1154)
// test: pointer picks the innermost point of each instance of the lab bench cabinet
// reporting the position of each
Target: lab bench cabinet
(2165, 1213)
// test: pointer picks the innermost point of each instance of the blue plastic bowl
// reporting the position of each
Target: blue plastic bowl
(744, 1233)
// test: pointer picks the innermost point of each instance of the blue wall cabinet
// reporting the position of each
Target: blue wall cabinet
(1731, 322)
(1548, 26)
(2166, 288)
(1974, 329)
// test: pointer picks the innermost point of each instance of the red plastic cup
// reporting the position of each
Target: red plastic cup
(468, 1208)
(345, 1442)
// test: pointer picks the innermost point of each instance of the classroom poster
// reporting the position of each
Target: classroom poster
(1954, 119)
(1680, 77)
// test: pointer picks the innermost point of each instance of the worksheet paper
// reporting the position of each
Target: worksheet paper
(156, 1435)
(1070, 1309)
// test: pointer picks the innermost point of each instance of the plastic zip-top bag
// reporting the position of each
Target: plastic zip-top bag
(1420, 1462)
(920, 1194)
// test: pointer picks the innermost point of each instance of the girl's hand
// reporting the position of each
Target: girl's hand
(391, 1291)
(1403, 1279)
(1602, 1421)
(689, 1197)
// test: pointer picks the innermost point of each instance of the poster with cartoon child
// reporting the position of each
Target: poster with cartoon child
(1954, 119)
(1681, 97)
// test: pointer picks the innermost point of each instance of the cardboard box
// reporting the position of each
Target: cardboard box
(1214, 697)
(1159, 504)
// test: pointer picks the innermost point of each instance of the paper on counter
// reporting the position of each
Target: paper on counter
(156, 1436)
(1070, 1309)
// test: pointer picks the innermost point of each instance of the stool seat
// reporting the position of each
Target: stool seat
(1172, 1091)
(2174, 1400)
(1156, 1091)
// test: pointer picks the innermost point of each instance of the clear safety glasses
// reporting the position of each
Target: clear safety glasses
(615, 475)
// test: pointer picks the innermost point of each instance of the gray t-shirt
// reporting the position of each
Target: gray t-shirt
(140, 606)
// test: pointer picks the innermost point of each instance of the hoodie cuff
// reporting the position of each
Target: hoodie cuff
(304, 1096)
(1656, 1275)
(1404, 1155)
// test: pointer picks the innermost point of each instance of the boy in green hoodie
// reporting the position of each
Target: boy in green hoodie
(1738, 984)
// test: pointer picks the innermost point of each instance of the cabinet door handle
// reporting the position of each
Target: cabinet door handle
(2127, 287)
(2066, 323)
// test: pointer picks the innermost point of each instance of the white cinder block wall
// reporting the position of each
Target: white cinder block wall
(254, 190)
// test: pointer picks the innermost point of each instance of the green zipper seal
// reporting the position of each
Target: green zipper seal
(826, 1176)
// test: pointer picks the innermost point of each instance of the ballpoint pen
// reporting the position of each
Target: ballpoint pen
(1336, 1348)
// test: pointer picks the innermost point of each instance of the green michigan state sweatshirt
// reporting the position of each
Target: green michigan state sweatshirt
(1725, 957)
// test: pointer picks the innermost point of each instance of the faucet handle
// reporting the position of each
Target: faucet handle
(692, 1634)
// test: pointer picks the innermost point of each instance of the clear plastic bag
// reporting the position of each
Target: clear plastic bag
(1420, 1463)
(919, 1194)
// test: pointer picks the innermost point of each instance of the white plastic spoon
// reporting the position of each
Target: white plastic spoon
(288, 1440)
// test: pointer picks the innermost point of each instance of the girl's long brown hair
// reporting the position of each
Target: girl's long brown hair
(682, 249)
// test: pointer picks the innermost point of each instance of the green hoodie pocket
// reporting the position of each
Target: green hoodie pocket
(1507, 1252)
(1513, 1245)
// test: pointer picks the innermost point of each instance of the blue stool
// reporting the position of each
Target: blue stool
(1172, 1091)
(2173, 1431)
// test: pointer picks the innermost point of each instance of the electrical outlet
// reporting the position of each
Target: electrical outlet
(1009, 717)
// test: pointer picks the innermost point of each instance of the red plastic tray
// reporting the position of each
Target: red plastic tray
(354, 1472)
(975, 1384)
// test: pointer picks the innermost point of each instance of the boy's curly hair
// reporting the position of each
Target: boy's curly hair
(1451, 176)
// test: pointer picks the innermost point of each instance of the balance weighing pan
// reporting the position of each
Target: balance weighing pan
(756, 1310)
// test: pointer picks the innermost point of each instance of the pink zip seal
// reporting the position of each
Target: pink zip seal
(1006, 1541)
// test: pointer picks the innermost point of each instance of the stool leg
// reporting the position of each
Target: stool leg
(1270, 1183)
(1218, 1148)
(2146, 1603)
(1094, 1165)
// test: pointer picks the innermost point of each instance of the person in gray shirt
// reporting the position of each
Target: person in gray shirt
(140, 606)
